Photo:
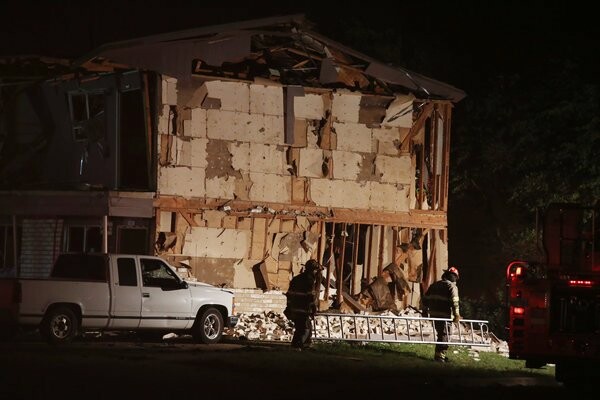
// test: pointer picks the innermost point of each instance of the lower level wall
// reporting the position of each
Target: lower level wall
(256, 301)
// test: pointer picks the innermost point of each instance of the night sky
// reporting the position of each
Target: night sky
(461, 42)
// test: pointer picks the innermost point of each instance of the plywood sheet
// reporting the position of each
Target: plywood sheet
(259, 235)
(217, 243)
(213, 218)
(349, 194)
(298, 190)
(164, 149)
(184, 152)
(274, 225)
(287, 225)
(220, 187)
(311, 163)
(227, 125)
(270, 188)
(198, 123)
(169, 91)
(198, 152)
(346, 165)
(266, 99)
(338, 193)
(267, 129)
(345, 107)
(165, 221)
(300, 133)
(163, 120)
(309, 106)
(394, 169)
(386, 141)
(214, 271)
(265, 158)
(243, 275)
(388, 197)
(234, 96)
(353, 137)
(244, 223)
(229, 222)
(243, 185)
(240, 156)
(181, 181)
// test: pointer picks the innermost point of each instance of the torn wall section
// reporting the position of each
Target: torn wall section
(249, 174)
(228, 142)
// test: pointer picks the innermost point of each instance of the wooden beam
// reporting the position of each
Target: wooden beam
(188, 218)
(340, 279)
(355, 257)
(380, 260)
(409, 219)
(328, 266)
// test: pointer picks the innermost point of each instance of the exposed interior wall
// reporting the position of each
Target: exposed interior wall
(249, 175)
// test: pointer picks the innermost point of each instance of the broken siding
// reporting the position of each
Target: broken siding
(349, 152)
(216, 243)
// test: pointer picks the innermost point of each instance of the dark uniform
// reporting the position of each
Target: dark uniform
(302, 297)
(442, 301)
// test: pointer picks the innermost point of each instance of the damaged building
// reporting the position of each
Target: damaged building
(237, 152)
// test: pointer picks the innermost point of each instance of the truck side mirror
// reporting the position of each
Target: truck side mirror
(184, 285)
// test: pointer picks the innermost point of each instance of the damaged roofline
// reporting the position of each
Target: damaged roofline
(414, 82)
(387, 72)
(190, 33)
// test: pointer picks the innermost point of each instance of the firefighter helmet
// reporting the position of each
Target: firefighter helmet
(454, 271)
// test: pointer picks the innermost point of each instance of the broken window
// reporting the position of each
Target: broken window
(7, 246)
(87, 110)
(84, 238)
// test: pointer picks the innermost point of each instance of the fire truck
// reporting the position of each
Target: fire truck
(554, 305)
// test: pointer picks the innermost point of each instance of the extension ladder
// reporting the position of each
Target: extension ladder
(397, 329)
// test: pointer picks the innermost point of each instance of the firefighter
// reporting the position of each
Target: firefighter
(442, 301)
(302, 297)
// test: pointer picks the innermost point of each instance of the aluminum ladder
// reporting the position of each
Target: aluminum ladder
(397, 329)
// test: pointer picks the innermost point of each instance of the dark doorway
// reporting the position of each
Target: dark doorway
(133, 240)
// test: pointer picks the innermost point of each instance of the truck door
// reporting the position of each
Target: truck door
(126, 293)
(166, 303)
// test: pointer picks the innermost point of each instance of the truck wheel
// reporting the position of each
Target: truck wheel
(60, 325)
(208, 328)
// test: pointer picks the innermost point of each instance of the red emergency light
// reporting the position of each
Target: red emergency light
(515, 269)
(518, 310)
(580, 283)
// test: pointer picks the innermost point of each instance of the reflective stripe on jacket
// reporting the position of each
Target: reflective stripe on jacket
(442, 300)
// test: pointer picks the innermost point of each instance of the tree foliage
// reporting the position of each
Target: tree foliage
(532, 140)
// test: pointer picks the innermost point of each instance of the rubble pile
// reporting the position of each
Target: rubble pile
(272, 326)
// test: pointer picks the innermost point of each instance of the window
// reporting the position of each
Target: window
(84, 238)
(87, 115)
(127, 275)
(81, 266)
(7, 248)
(156, 274)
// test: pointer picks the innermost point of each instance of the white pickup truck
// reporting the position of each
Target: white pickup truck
(114, 292)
